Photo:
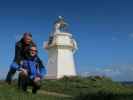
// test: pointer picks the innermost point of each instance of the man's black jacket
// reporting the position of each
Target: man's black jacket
(21, 51)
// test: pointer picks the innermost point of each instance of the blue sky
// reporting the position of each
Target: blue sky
(102, 28)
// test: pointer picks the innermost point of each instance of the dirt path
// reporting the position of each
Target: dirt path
(53, 93)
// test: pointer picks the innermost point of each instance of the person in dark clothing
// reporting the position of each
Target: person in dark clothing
(32, 71)
(20, 54)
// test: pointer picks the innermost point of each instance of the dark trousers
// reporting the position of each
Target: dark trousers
(25, 82)
(10, 74)
(14, 66)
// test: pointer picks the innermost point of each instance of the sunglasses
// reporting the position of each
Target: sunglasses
(33, 50)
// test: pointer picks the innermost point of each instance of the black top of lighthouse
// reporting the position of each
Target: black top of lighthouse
(60, 25)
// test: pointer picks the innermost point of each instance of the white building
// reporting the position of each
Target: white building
(60, 47)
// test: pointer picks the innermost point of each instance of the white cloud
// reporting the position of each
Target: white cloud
(130, 35)
(116, 72)
(111, 72)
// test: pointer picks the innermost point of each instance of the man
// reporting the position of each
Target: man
(20, 53)
(32, 71)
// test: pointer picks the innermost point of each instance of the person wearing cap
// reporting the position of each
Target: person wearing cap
(31, 70)
(20, 53)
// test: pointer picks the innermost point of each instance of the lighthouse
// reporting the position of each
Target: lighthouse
(61, 48)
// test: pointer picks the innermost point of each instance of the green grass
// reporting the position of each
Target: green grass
(76, 85)
(71, 88)
(12, 93)
(90, 88)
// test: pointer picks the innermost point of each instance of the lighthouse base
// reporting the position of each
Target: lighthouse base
(60, 63)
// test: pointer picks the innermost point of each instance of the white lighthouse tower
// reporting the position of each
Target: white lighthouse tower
(60, 47)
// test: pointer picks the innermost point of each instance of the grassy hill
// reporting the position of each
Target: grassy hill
(71, 88)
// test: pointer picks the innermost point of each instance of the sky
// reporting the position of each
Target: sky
(103, 30)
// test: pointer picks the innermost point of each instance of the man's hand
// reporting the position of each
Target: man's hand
(23, 72)
(37, 79)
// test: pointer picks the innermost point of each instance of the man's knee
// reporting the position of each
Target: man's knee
(23, 74)
(37, 84)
